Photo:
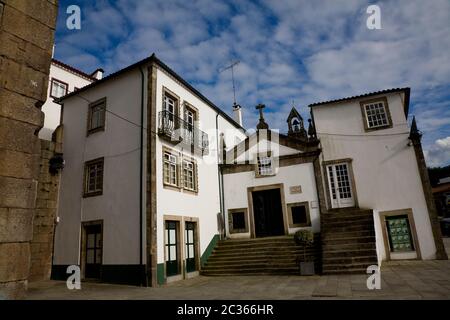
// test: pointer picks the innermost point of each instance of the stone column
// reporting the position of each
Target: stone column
(26, 42)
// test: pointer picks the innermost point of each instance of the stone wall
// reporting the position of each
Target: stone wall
(45, 214)
(26, 42)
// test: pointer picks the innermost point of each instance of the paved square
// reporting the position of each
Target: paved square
(399, 280)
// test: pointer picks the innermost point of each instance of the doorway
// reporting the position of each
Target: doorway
(93, 251)
(340, 185)
(268, 213)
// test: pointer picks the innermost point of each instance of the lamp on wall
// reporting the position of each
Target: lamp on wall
(56, 163)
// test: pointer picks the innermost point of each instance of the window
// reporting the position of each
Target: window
(188, 175)
(93, 184)
(237, 220)
(170, 169)
(96, 117)
(376, 114)
(399, 233)
(58, 88)
(299, 214)
(265, 167)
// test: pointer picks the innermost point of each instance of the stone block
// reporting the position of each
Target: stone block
(14, 261)
(13, 290)
(42, 11)
(21, 25)
(16, 225)
(23, 80)
(17, 193)
(17, 164)
(24, 52)
(18, 136)
(21, 108)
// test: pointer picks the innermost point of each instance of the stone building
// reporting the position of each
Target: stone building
(26, 41)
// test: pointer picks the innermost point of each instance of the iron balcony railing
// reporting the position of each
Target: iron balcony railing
(179, 130)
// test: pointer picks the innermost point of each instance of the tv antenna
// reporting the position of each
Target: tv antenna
(231, 66)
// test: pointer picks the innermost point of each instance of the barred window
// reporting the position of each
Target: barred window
(376, 115)
(94, 177)
(170, 169)
(188, 175)
(265, 167)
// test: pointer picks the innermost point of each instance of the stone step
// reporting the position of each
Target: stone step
(345, 271)
(260, 250)
(235, 246)
(239, 267)
(348, 217)
(348, 246)
(348, 234)
(347, 211)
(348, 253)
(250, 262)
(345, 222)
(348, 240)
(252, 257)
(252, 271)
(257, 240)
(349, 266)
(326, 230)
(349, 260)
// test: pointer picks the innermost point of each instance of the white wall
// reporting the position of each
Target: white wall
(206, 204)
(51, 109)
(118, 207)
(236, 184)
(384, 166)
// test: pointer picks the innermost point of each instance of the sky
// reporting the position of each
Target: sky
(290, 53)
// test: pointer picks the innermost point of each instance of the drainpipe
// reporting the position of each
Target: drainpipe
(220, 177)
(142, 266)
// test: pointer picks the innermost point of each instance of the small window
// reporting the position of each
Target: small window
(399, 233)
(170, 169)
(94, 171)
(58, 88)
(96, 117)
(238, 221)
(299, 214)
(376, 114)
(265, 166)
(188, 175)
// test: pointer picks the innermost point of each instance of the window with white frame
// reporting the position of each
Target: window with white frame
(170, 169)
(58, 89)
(265, 166)
(188, 175)
(376, 115)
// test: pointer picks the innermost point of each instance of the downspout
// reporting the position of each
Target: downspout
(220, 178)
(142, 267)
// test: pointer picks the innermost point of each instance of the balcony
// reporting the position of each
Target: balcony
(179, 131)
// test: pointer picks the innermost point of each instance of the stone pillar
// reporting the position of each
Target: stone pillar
(46, 209)
(26, 42)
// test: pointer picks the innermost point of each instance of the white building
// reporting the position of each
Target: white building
(155, 173)
(63, 79)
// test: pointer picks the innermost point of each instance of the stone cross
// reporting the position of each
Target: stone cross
(260, 107)
(262, 124)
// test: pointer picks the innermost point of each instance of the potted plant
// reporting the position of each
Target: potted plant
(305, 238)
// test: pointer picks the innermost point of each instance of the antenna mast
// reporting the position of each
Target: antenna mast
(231, 66)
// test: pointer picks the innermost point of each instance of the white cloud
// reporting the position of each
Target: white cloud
(439, 153)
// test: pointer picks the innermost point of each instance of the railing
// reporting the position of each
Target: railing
(179, 130)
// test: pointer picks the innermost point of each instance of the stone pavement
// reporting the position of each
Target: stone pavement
(399, 280)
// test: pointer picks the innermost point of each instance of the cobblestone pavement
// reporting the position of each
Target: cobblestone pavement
(399, 280)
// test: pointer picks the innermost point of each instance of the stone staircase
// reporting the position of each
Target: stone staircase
(348, 241)
(272, 255)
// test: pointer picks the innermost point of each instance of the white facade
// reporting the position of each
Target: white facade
(70, 79)
(385, 169)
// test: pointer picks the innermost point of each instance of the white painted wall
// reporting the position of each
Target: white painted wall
(51, 109)
(206, 204)
(236, 184)
(384, 166)
(118, 207)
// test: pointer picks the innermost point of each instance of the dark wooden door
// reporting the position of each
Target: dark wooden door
(268, 214)
(190, 247)
(172, 254)
(94, 251)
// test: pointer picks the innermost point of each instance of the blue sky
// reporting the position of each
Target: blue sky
(289, 51)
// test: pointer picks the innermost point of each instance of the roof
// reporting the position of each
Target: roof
(74, 70)
(393, 90)
(163, 66)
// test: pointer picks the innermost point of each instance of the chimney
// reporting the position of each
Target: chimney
(237, 113)
(98, 74)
